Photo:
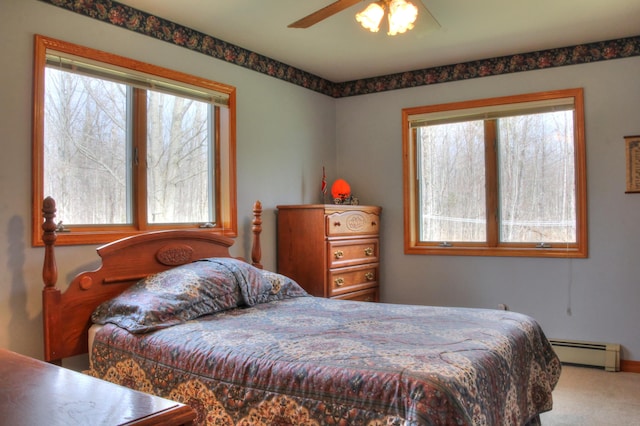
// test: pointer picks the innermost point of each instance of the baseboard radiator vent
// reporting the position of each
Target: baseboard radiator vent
(605, 355)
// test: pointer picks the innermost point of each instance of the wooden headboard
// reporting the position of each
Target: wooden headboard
(67, 315)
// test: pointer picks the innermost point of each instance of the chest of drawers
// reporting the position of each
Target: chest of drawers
(331, 250)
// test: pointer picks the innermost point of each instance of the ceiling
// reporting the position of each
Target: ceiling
(339, 50)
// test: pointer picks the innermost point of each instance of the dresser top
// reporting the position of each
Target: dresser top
(331, 208)
(33, 392)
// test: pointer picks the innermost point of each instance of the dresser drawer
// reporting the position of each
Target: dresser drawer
(352, 223)
(368, 295)
(352, 252)
(345, 280)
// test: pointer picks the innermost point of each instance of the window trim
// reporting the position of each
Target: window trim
(228, 223)
(412, 244)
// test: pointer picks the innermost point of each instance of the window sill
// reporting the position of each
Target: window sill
(558, 252)
(73, 237)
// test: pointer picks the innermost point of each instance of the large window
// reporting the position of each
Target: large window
(126, 147)
(497, 177)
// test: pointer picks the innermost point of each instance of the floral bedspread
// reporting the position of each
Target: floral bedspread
(314, 361)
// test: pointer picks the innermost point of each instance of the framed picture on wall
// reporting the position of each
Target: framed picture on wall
(632, 145)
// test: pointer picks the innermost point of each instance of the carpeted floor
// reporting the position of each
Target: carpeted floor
(593, 397)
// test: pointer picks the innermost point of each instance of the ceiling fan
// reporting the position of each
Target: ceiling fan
(374, 12)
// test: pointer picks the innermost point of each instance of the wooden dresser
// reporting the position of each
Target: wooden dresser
(331, 250)
(33, 392)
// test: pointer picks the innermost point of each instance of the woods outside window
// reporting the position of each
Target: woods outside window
(497, 177)
(126, 147)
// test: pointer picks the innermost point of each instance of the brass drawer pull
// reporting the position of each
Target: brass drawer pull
(368, 251)
(339, 254)
(369, 276)
(339, 282)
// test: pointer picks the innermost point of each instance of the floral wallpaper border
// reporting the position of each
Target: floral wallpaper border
(133, 19)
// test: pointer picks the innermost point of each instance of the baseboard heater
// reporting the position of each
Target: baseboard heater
(605, 355)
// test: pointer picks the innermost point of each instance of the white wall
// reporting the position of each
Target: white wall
(285, 135)
(587, 299)
(282, 146)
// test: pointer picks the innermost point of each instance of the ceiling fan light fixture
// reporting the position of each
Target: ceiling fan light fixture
(400, 13)
(371, 17)
(402, 16)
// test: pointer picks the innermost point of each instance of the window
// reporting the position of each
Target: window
(496, 177)
(126, 147)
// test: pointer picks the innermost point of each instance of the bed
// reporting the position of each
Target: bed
(172, 313)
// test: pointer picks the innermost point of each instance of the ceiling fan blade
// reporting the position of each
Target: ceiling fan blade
(323, 13)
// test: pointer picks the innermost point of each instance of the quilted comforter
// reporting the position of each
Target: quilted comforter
(314, 361)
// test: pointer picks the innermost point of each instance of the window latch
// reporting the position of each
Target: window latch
(445, 244)
(60, 227)
(543, 245)
(207, 225)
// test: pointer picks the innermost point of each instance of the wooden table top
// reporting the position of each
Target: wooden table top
(33, 392)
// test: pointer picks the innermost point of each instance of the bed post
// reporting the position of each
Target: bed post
(256, 251)
(49, 268)
(50, 294)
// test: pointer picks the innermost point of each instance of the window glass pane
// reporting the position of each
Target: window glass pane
(451, 174)
(537, 178)
(85, 144)
(179, 151)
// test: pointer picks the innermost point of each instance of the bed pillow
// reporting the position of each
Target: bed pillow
(251, 283)
(257, 285)
(172, 297)
(282, 287)
(190, 291)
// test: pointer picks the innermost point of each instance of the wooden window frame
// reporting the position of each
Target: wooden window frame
(493, 247)
(225, 167)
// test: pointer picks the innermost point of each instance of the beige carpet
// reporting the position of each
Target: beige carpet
(593, 397)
